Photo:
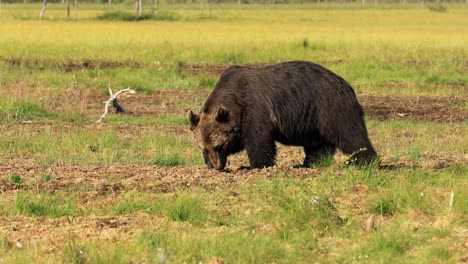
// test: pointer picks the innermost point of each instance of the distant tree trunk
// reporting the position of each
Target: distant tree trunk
(155, 7)
(76, 9)
(109, 2)
(423, 3)
(201, 7)
(41, 15)
(138, 7)
(363, 2)
(241, 3)
(375, 2)
(68, 9)
(209, 4)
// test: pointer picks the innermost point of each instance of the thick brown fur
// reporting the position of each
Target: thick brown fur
(295, 103)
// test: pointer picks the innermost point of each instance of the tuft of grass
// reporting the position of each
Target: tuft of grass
(18, 110)
(47, 177)
(43, 205)
(16, 178)
(325, 161)
(136, 202)
(186, 208)
(440, 253)
(383, 247)
(389, 245)
(74, 253)
(292, 205)
(168, 160)
(383, 206)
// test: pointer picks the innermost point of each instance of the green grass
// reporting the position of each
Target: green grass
(39, 205)
(51, 145)
(16, 178)
(280, 219)
(19, 110)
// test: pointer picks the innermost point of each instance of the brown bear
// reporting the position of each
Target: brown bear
(295, 103)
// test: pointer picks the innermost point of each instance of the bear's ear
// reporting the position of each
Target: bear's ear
(222, 115)
(194, 119)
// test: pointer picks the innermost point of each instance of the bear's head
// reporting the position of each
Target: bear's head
(217, 133)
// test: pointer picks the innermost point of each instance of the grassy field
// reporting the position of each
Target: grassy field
(134, 188)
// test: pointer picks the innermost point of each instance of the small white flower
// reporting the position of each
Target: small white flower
(162, 257)
(315, 200)
(19, 244)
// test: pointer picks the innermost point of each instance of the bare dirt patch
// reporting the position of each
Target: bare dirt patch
(54, 234)
(102, 180)
(428, 108)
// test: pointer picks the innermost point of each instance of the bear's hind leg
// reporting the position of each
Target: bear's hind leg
(318, 153)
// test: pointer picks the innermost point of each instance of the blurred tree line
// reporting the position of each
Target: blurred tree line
(370, 2)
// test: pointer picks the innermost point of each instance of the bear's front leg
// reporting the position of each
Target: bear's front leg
(261, 153)
(207, 159)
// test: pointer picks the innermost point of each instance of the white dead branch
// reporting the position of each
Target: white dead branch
(403, 114)
(370, 223)
(114, 100)
(452, 198)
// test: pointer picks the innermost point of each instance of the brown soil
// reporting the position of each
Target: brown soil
(105, 179)
(428, 108)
